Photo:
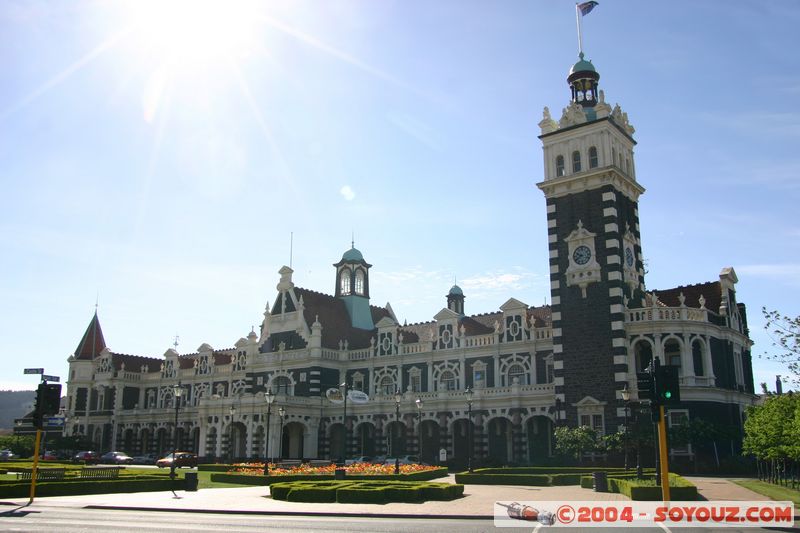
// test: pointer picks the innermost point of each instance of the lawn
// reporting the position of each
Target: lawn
(771, 491)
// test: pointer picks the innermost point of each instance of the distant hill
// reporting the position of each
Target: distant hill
(14, 404)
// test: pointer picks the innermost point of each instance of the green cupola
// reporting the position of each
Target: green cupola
(352, 287)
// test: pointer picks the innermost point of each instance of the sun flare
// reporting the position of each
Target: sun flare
(195, 31)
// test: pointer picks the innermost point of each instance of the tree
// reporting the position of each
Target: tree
(574, 442)
(785, 333)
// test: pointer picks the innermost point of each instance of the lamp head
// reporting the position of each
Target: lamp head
(419, 403)
(282, 412)
(626, 394)
(469, 393)
(397, 396)
(269, 396)
(177, 390)
(232, 410)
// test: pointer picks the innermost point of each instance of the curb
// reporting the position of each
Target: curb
(293, 513)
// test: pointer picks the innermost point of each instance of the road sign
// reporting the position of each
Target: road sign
(34, 371)
(45, 377)
(54, 422)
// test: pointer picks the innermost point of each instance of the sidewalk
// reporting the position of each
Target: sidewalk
(477, 503)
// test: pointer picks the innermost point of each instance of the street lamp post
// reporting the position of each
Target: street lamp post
(626, 396)
(232, 412)
(344, 388)
(269, 397)
(469, 394)
(418, 402)
(282, 414)
(177, 392)
(397, 399)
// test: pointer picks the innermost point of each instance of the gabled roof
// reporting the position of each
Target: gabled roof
(92, 342)
(335, 319)
(711, 291)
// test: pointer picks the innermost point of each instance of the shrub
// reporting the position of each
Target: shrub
(76, 487)
(354, 491)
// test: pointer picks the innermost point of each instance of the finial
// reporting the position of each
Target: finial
(352, 239)
(175, 342)
(580, 56)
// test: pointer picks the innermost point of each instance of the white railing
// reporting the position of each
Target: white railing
(359, 355)
(543, 334)
(333, 355)
(417, 347)
(131, 376)
(480, 340)
(652, 314)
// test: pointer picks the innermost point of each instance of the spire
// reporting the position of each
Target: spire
(92, 342)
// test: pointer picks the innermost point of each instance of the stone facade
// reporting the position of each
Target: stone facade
(530, 368)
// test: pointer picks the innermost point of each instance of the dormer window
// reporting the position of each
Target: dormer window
(344, 282)
(560, 165)
(359, 282)
(593, 157)
(576, 161)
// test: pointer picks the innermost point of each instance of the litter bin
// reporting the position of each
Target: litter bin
(600, 480)
(339, 473)
(190, 480)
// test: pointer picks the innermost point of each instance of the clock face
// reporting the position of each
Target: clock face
(581, 255)
(629, 257)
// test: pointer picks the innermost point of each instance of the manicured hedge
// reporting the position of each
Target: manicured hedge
(248, 479)
(213, 468)
(16, 489)
(680, 489)
(535, 476)
(356, 491)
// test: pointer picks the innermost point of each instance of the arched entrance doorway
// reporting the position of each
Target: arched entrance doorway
(365, 439)
(195, 440)
(397, 438)
(293, 441)
(237, 445)
(539, 430)
(500, 440)
(428, 441)
(144, 440)
(161, 442)
(337, 434)
(127, 442)
(461, 434)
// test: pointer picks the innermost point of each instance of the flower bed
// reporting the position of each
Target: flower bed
(356, 469)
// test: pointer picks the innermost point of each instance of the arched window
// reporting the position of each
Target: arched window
(387, 385)
(518, 372)
(344, 282)
(644, 354)
(593, 157)
(282, 385)
(672, 353)
(360, 282)
(447, 381)
(560, 165)
(697, 357)
(576, 161)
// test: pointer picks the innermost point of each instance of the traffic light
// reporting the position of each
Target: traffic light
(48, 402)
(668, 390)
(644, 384)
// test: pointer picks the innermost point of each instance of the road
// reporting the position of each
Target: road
(75, 520)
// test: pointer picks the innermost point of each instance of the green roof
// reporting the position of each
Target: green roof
(455, 289)
(352, 255)
(582, 66)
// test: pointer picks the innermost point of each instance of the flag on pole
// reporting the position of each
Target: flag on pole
(586, 7)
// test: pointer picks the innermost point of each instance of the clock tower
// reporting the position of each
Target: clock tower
(595, 248)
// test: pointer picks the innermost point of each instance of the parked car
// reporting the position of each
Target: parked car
(48, 456)
(146, 459)
(379, 459)
(116, 458)
(89, 458)
(6, 455)
(361, 459)
(181, 459)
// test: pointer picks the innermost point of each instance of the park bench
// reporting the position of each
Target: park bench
(100, 472)
(42, 474)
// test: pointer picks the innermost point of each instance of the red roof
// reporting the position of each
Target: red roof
(92, 342)
(711, 291)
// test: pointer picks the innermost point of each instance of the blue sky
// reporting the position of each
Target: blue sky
(160, 156)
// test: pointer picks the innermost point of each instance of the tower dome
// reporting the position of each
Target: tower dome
(455, 300)
(582, 80)
(456, 290)
(353, 254)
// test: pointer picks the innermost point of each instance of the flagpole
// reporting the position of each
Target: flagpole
(578, 24)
